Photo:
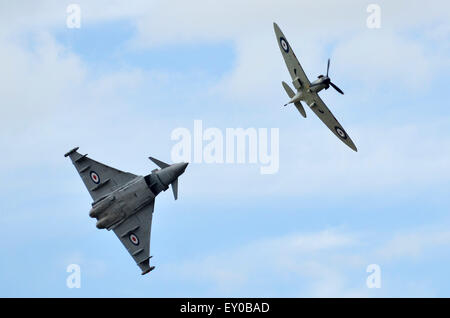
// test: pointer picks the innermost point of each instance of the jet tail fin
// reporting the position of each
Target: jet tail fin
(159, 163)
(169, 174)
(175, 189)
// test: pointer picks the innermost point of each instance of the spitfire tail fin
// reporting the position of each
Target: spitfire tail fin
(288, 90)
(291, 94)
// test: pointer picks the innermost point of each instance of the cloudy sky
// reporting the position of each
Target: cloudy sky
(134, 71)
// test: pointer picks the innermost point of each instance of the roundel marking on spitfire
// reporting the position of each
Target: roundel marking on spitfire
(340, 132)
(94, 177)
(134, 239)
(284, 44)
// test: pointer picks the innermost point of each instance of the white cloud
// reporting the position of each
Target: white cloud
(328, 263)
(386, 59)
(40, 89)
(405, 158)
(375, 55)
(282, 259)
(311, 26)
(392, 160)
(48, 89)
(415, 244)
(51, 102)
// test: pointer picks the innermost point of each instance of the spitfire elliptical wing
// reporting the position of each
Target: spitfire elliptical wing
(307, 91)
(134, 233)
(299, 78)
(98, 178)
(321, 110)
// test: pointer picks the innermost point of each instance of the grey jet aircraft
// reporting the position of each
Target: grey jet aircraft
(308, 92)
(124, 202)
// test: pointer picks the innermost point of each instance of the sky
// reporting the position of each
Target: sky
(135, 71)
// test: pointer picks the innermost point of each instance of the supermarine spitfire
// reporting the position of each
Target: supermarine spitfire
(124, 202)
(307, 92)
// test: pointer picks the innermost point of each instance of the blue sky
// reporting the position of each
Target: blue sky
(132, 74)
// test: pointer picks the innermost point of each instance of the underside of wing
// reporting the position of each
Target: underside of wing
(134, 233)
(98, 178)
(321, 110)
(299, 78)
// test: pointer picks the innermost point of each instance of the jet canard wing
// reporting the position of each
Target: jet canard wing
(321, 110)
(299, 78)
(98, 178)
(134, 233)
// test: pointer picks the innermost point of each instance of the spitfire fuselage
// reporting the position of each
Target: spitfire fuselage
(323, 82)
(297, 97)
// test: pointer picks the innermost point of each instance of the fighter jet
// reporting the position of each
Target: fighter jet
(124, 202)
(307, 92)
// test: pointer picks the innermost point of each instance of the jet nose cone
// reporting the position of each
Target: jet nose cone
(184, 165)
(171, 173)
(179, 168)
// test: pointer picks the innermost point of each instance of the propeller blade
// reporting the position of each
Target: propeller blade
(328, 66)
(337, 88)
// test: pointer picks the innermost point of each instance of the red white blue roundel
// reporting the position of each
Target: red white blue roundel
(341, 132)
(134, 239)
(284, 44)
(94, 177)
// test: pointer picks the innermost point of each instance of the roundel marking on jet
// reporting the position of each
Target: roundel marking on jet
(94, 177)
(341, 132)
(284, 44)
(134, 239)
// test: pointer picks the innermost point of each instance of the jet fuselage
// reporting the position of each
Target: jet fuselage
(133, 196)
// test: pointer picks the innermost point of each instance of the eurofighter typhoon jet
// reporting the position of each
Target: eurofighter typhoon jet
(124, 202)
(308, 92)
